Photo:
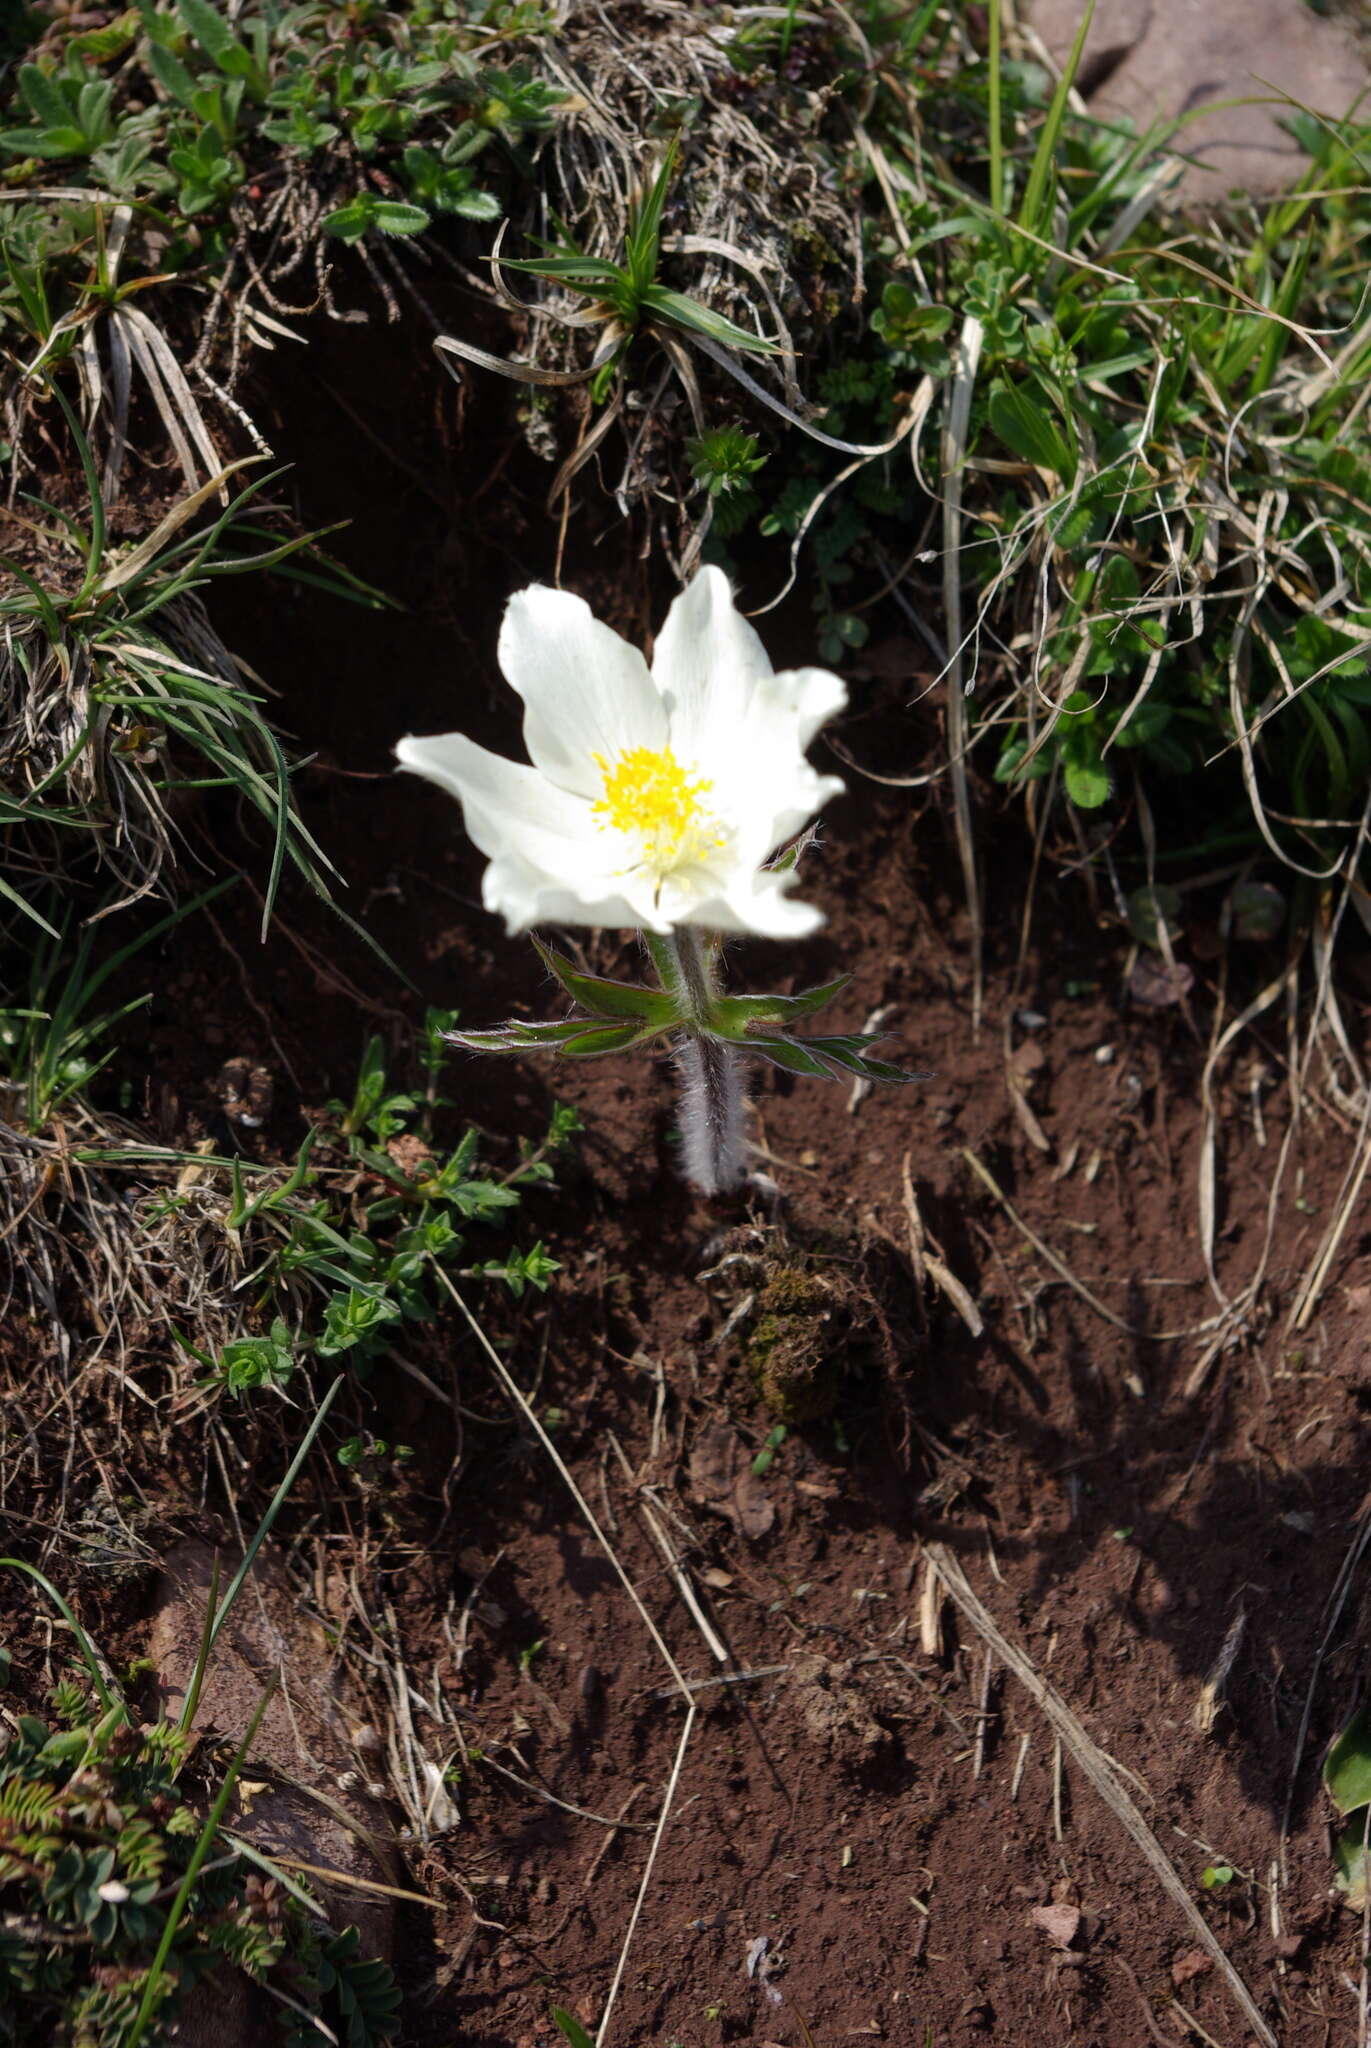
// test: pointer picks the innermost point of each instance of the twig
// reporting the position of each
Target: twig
(602, 1820)
(1103, 1775)
(1337, 1600)
(506, 1380)
(1193, 2024)
(931, 1611)
(1349, 1197)
(982, 1715)
(358, 1884)
(929, 1264)
(1215, 1686)
(956, 421)
(1059, 1265)
(1162, 2040)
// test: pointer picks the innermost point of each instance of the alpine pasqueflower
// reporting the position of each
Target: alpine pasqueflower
(655, 797)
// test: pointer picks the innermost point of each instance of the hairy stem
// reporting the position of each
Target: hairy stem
(711, 1114)
(711, 1082)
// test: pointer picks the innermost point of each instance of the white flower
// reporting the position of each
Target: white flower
(654, 798)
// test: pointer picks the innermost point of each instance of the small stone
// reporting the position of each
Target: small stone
(1147, 60)
(1061, 1924)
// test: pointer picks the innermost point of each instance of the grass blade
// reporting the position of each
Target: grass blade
(147, 550)
(1045, 155)
(187, 1885)
(12, 895)
(643, 242)
(83, 1642)
(95, 549)
(996, 131)
(966, 361)
(260, 1534)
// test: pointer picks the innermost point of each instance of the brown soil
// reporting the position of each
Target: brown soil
(871, 1836)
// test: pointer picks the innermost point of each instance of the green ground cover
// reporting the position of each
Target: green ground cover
(904, 324)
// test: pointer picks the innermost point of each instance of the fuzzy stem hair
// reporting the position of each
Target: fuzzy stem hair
(712, 1139)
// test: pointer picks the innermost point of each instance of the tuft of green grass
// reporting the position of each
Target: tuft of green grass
(117, 698)
(1164, 535)
(51, 1045)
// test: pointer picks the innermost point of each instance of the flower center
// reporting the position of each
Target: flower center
(655, 801)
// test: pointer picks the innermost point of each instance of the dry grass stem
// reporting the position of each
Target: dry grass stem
(682, 1685)
(931, 1611)
(1060, 1266)
(1214, 1689)
(1103, 1773)
(674, 1564)
(927, 1261)
(956, 423)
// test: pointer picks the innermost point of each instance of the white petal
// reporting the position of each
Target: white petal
(526, 897)
(504, 802)
(761, 781)
(585, 690)
(791, 808)
(550, 863)
(757, 904)
(707, 661)
(811, 696)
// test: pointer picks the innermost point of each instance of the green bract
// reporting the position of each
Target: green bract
(619, 1016)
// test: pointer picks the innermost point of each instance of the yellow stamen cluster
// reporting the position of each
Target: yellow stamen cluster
(650, 797)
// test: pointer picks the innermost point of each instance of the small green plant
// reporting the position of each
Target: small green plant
(369, 1455)
(51, 1048)
(766, 1457)
(568, 2025)
(130, 695)
(626, 298)
(1347, 1781)
(724, 459)
(628, 295)
(341, 1248)
(119, 1893)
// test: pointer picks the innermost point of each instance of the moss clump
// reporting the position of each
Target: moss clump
(794, 1352)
